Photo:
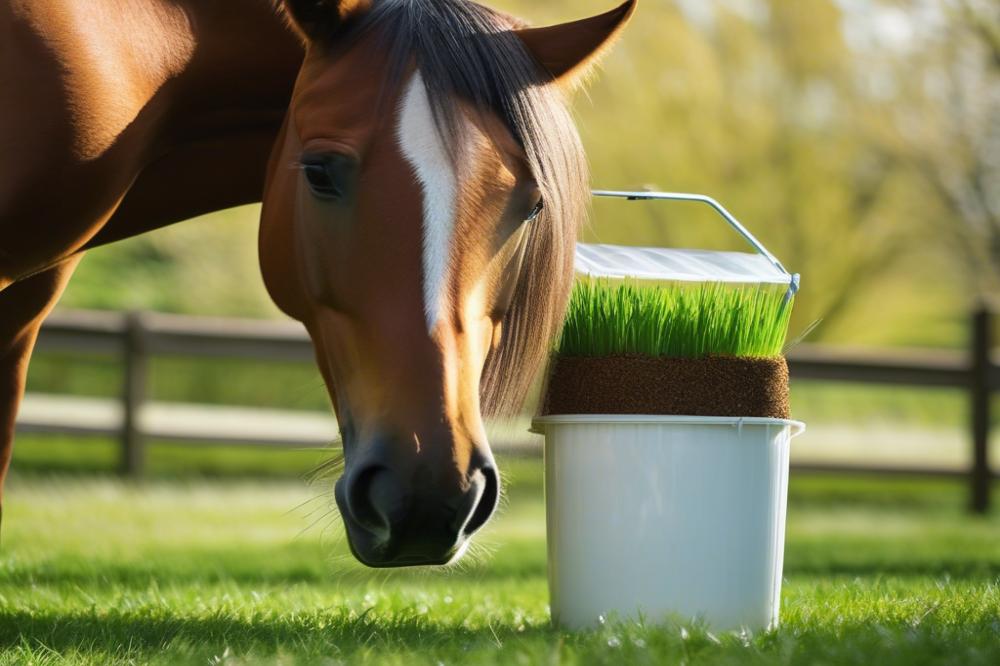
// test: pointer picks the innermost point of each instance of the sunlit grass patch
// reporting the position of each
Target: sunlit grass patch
(227, 571)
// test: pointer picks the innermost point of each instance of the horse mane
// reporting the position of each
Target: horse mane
(465, 51)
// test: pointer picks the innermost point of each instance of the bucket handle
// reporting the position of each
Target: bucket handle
(793, 285)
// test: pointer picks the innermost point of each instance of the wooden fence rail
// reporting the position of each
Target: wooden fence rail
(136, 337)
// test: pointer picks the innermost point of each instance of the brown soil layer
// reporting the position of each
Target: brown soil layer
(714, 386)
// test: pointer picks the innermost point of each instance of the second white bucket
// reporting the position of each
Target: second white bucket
(666, 516)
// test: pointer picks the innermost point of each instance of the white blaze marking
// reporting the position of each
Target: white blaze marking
(425, 151)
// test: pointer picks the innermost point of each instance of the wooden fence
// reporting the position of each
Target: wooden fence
(136, 337)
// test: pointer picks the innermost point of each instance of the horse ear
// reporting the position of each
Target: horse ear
(322, 19)
(570, 50)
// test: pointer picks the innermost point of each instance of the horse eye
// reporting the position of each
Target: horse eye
(320, 181)
(536, 211)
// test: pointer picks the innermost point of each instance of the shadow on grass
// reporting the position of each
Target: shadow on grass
(274, 568)
(129, 578)
(952, 569)
(330, 631)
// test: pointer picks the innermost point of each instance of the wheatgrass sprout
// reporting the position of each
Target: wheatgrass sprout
(679, 320)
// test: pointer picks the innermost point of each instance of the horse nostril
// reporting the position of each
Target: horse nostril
(487, 501)
(375, 499)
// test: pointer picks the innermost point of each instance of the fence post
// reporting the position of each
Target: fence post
(135, 364)
(981, 476)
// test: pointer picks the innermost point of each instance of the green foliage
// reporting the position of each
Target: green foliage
(675, 320)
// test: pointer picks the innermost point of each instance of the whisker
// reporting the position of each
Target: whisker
(316, 522)
(303, 504)
(329, 468)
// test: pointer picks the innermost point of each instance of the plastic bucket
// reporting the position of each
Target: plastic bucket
(666, 516)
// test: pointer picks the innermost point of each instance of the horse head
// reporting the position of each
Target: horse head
(420, 215)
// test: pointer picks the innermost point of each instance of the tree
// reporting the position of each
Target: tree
(949, 122)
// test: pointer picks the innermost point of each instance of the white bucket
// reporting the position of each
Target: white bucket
(666, 516)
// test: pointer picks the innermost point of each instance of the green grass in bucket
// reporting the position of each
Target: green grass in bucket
(678, 320)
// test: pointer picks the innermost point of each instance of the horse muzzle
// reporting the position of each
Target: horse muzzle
(398, 514)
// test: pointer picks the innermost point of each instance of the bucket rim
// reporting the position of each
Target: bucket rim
(539, 423)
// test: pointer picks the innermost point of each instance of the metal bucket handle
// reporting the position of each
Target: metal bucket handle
(793, 285)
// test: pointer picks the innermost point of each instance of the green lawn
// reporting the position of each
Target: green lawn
(230, 570)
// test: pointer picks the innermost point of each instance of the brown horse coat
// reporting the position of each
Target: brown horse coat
(118, 118)
(406, 261)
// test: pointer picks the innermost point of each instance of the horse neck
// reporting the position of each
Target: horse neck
(117, 61)
(245, 63)
(127, 99)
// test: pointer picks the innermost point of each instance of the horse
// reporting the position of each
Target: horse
(422, 184)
